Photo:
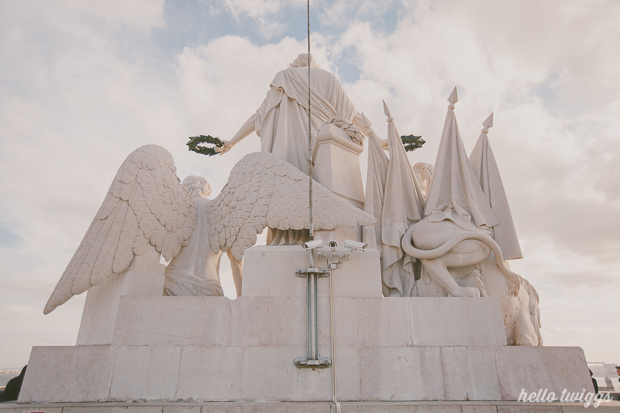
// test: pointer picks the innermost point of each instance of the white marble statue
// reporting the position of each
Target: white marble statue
(456, 230)
(394, 198)
(521, 312)
(460, 258)
(147, 209)
(442, 246)
(424, 175)
(195, 269)
(281, 121)
(485, 168)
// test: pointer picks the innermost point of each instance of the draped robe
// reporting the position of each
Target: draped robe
(282, 119)
(282, 122)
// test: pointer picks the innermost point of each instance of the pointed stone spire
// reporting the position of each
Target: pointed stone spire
(386, 110)
(402, 207)
(453, 99)
(485, 168)
(488, 123)
(455, 193)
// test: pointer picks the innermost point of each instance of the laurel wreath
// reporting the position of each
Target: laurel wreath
(197, 144)
(412, 142)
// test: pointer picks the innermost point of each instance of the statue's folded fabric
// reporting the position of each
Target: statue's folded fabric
(182, 283)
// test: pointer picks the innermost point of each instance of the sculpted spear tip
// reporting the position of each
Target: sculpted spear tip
(488, 123)
(453, 98)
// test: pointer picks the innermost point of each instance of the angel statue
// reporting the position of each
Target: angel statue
(190, 272)
(147, 209)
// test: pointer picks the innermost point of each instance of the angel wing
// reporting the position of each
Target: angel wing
(262, 191)
(145, 207)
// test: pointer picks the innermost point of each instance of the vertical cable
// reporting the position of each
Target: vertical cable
(310, 163)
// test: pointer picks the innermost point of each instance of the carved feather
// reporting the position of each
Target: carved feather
(264, 190)
(146, 207)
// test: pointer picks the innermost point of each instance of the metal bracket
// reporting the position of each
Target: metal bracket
(304, 272)
(320, 363)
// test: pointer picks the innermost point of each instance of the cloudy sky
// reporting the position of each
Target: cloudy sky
(83, 83)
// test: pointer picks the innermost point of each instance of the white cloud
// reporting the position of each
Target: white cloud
(85, 86)
(341, 13)
(267, 15)
(546, 71)
(72, 106)
(137, 14)
(229, 72)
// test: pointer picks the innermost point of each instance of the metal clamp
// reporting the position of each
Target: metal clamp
(304, 272)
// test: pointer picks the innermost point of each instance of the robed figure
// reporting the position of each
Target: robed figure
(281, 121)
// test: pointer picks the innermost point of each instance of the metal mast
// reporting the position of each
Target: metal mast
(310, 163)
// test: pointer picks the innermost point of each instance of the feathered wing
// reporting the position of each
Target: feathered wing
(262, 191)
(145, 207)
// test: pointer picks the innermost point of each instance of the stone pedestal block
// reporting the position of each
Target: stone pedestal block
(145, 276)
(214, 349)
(313, 407)
(337, 167)
(69, 374)
(281, 321)
(270, 272)
(266, 373)
(535, 368)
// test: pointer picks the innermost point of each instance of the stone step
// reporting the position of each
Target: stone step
(282, 321)
(311, 407)
(267, 373)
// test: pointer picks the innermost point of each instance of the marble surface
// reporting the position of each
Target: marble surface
(386, 349)
(147, 212)
(534, 368)
(309, 407)
(274, 321)
(145, 276)
(253, 366)
(270, 272)
(337, 168)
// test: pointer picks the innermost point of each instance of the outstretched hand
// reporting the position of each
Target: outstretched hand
(227, 146)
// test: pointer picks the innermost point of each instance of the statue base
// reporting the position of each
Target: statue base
(337, 168)
(310, 407)
(145, 276)
(214, 349)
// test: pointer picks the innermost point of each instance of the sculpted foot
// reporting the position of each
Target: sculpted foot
(465, 292)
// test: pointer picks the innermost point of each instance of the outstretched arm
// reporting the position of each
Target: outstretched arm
(245, 130)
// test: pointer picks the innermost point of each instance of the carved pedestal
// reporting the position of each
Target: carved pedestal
(145, 276)
(214, 349)
(337, 167)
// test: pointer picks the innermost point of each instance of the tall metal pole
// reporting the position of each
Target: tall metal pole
(310, 163)
(312, 359)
